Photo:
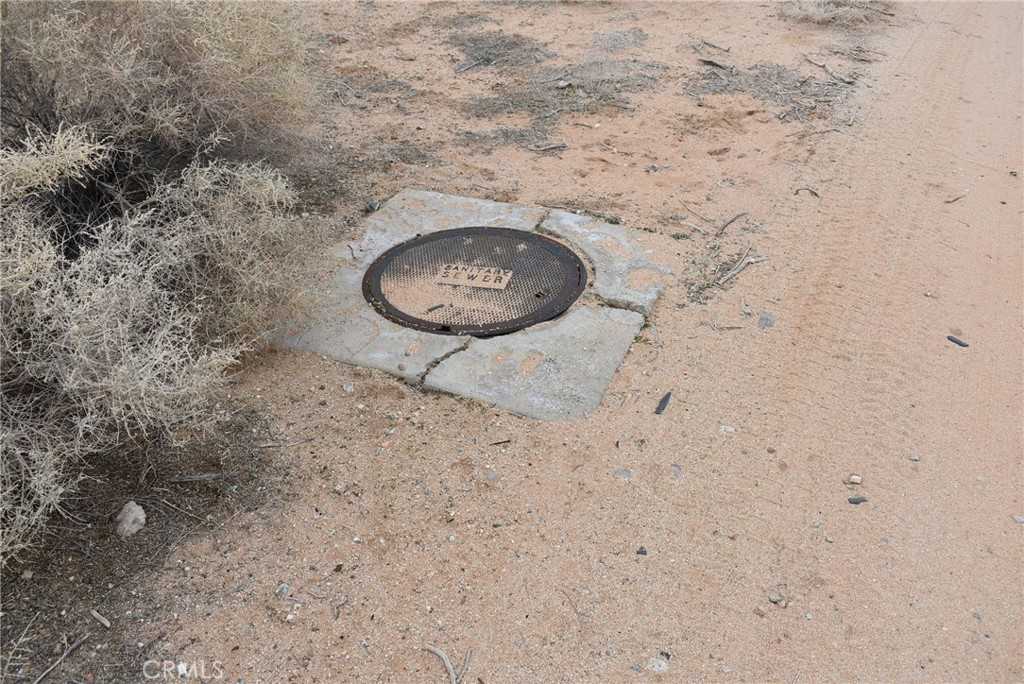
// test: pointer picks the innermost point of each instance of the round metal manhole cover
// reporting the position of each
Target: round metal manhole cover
(474, 281)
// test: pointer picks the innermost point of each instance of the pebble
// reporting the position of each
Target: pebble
(282, 590)
(130, 520)
(857, 500)
(657, 664)
(726, 429)
(915, 458)
(27, 574)
(490, 474)
(348, 388)
(778, 599)
(677, 471)
(854, 479)
(1019, 519)
(642, 551)
(766, 320)
(623, 473)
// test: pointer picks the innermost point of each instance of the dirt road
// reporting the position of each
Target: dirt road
(716, 541)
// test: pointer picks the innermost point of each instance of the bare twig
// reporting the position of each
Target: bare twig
(199, 477)
(700, 216)
(712, 45)
(467, 67)
(807, 134)
(955, 199)
(730, 222)
(551, 147)
(284, 445)
(60, 660)
(822, 65)
(15, 648)
(717, 65)
(453, 677)
(99, 618)
(465, 665)
(739, 266)
(810, 190)
(180, 510)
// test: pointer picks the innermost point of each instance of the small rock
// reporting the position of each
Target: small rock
(829, 539)
(766, 320)
(130, 520)
(282, 590)
(642, 551)
(623, 473)
(857, 500)
(490, 474)
(854, 479)
(1019, 519)
(562, 85)
(759, 611)
(348, 388)
(770, 450)
(778, 599)
(657, 664)
(451, 537)
(726, 429)
(27, 574)
(915, 458)
(677, 471)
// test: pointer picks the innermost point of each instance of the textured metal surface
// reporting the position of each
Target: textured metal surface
(474, 281)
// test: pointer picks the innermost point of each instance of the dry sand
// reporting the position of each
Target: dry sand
(715, 541)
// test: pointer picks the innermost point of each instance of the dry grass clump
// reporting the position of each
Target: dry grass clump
(584, 87)
(799, 97)
(834, 12)
(135, 267)
(497, 48)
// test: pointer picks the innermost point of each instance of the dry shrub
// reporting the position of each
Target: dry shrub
(173, 74)
(834, 12)
(135, 268)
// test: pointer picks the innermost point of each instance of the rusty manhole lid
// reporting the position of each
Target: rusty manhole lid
(474, 281)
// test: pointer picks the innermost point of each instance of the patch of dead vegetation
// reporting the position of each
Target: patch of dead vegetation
(843, 13)
(579, 88)
(498, 49)
(797, 96)
(617, 41)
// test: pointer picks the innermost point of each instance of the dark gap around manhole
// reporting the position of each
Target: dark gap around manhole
(480, 281)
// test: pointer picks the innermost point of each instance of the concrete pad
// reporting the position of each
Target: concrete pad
(623, 276)
(344, 327)
(551, 371)
(417, 212)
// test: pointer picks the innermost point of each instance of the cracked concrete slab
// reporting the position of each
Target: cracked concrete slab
(623, 276)
(344, 327)
(555, 370)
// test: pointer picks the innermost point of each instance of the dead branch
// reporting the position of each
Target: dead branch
(70, 649)
(834, 75)
(730, 222)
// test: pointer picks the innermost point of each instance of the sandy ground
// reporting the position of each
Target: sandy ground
(716, 541)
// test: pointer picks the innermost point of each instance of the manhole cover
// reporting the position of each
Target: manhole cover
(474, 281)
